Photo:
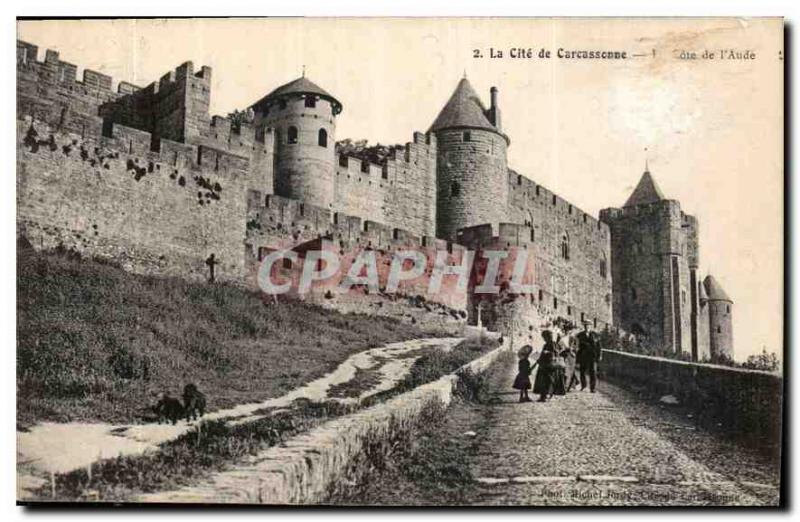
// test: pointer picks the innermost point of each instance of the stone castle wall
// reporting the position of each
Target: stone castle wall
(720, 328)
(472, 186)
(276, 223)
(401, 191)
(654, 260)
(304, 169)
(565, 289)
(111, 196)
(429, 188)
(746, 403)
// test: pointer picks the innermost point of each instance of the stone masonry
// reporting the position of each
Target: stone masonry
(145, 176)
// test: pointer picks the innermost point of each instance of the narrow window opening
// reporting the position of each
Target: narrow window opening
(311, 102)
(467, 136)
(322, 138)
(292, 135)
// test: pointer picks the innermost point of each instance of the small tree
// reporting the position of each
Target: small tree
(765, 361)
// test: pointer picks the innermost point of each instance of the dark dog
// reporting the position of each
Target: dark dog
(194, 402)
(168, 409)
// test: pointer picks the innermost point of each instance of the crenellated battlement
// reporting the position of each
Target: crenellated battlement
(272, 219)
(53, 70)
(423, 146)
(526, 193)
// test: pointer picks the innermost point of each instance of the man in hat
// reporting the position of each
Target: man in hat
(588, 356)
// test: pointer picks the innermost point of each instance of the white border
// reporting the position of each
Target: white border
(162, 8)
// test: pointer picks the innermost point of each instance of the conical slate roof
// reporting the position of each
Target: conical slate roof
(300, 86)
(463, 109)
(714, 290)
(645, 192)
(701, 289)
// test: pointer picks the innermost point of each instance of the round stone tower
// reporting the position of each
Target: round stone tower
(302, 116)
(720, 318)
(471, 167)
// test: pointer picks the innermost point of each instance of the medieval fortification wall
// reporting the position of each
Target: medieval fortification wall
(145, 176)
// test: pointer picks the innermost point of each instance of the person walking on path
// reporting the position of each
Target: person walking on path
(522, 381)
(568, 354)
(588, 356)
(542, 384)
(559, 369)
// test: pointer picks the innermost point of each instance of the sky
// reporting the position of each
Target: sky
(710, 129)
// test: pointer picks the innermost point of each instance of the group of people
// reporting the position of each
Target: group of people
(558, 363)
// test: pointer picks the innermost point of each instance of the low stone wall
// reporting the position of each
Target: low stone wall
(302, 470)
(746, 402)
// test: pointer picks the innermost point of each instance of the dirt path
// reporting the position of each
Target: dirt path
(59, 448)
(606, 448)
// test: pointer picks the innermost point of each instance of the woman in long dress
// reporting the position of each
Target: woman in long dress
(542, 384)
(559, 372)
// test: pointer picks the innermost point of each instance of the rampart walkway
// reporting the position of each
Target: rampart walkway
(609, 448)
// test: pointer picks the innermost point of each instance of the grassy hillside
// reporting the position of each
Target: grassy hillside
(97, 343)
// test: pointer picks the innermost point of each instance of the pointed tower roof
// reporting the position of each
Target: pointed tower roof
(714, 290)
(463, 110)
(701, 289)
(301, 85)
(645, 192)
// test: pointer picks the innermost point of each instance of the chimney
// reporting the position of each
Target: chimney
(494, 109)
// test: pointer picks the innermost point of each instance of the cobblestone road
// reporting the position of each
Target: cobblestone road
(608, 448)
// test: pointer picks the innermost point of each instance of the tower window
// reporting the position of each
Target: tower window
(719, 329)
(467, 136)
(455, 189)
(342, 161)
(565, 247)
(603, 268)
(322, 137)
(365, 167)
(311, 101)
(633, 294)
(533, 234)
(291, 135)
(569, 310)
(728, 308)
(554, 199)
(541, 295)
(555, 302)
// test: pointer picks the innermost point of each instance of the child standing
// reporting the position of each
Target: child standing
(522, 381)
